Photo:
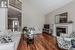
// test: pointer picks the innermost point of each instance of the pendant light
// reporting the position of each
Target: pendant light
(3, 3)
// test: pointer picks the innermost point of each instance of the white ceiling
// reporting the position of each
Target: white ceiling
(46, 6)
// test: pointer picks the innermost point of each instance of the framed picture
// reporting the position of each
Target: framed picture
(61, 18)
(19, 0)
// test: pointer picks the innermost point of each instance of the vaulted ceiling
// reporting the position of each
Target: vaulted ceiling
(46, 6)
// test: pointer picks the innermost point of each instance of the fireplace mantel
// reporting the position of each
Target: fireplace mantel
(62, 25)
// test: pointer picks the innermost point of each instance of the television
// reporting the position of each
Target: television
(46, 26)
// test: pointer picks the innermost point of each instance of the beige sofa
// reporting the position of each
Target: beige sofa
(12, 45)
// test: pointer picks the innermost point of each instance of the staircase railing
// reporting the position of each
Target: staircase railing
(16, 4)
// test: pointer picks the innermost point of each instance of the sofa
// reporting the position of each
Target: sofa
(15, 36)
(67, 41)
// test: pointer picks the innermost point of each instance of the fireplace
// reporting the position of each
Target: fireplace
(59, 29)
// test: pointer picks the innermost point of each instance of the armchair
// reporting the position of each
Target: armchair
(64, 44)
(67, 41)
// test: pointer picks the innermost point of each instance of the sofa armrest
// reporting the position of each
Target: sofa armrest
(7, 46)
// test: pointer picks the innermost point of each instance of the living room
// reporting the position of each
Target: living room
(37, 25)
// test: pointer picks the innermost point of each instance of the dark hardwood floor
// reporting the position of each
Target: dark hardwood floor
(41, 42)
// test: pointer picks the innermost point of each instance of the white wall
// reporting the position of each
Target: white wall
(31, 17)
(70, 8)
